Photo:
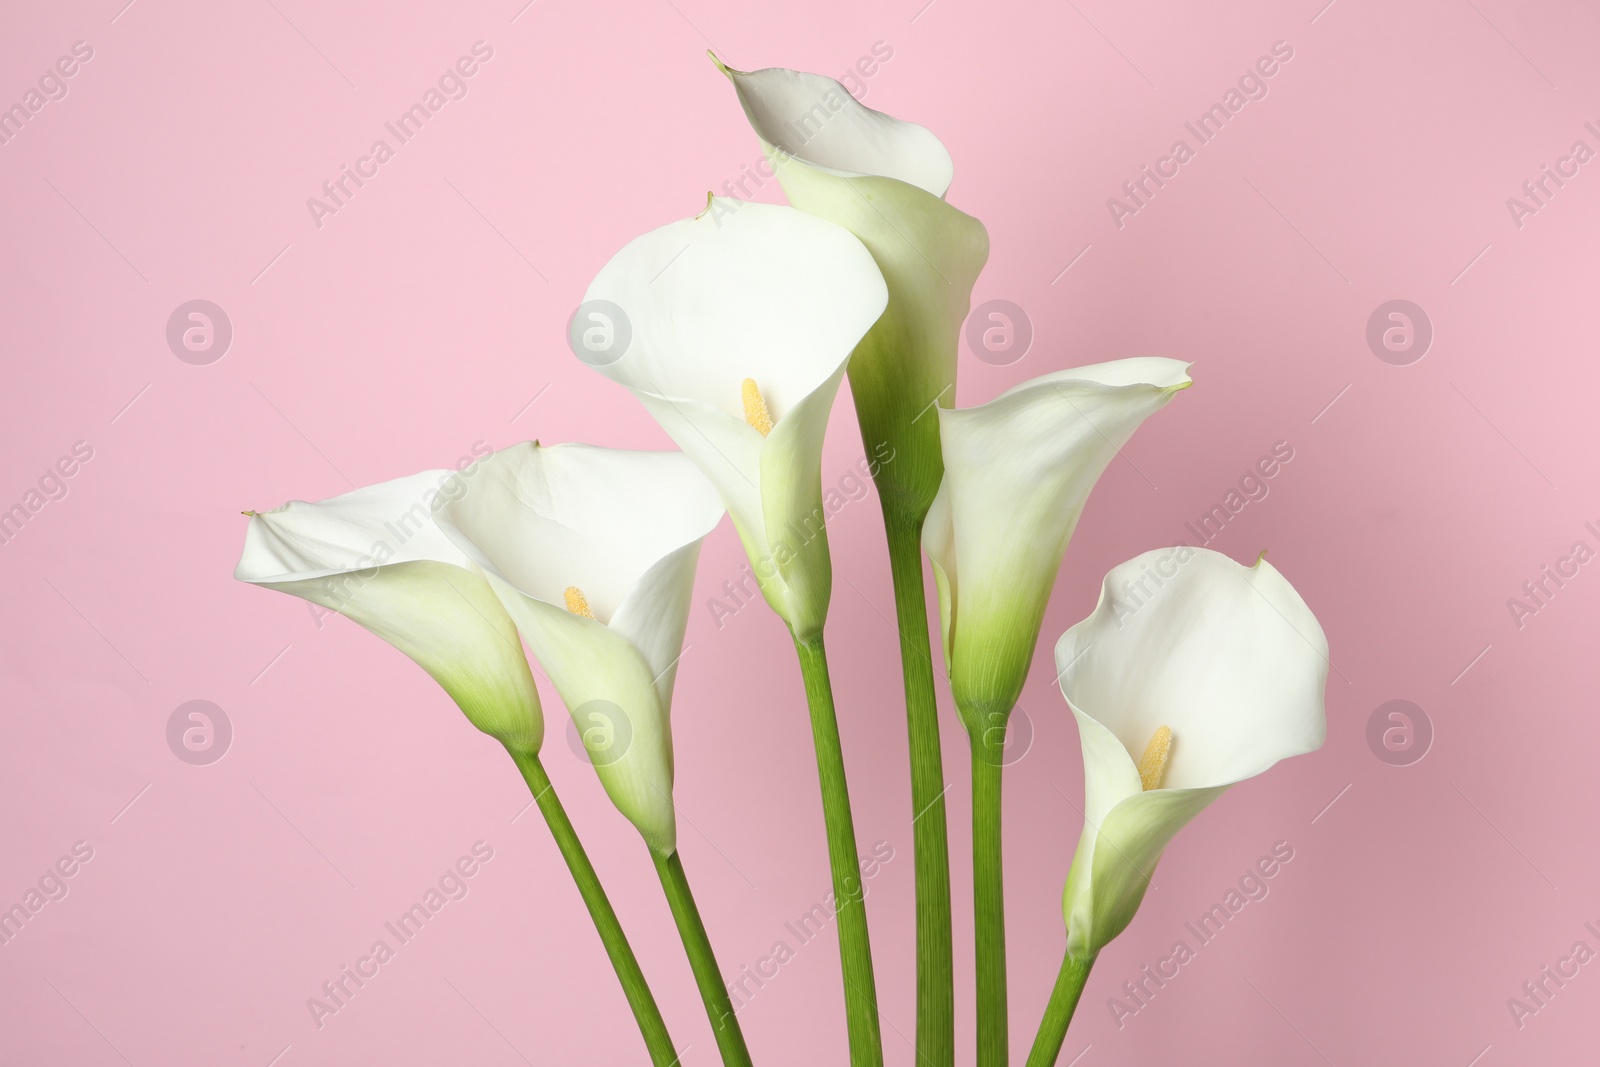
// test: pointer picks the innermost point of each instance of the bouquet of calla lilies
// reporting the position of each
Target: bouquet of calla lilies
(734, 329)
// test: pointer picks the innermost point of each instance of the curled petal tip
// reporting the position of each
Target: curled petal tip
(249, 513)
(729, 71)
(710, 196)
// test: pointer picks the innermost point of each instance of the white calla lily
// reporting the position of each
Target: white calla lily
(377, 556)
(884, 180)
(1192, 674)
(593, 551)
(739, 329)
(1018, 471)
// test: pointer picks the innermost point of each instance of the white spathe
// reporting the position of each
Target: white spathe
(1017, 472)
(377, 556)
(625, 528)
(884, 180)
(766, 293)
(1228, 657)
(817, 120)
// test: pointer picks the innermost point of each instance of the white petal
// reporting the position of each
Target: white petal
(1116, 858)
(377, 556)
(760, 292)
(600, 673)
(741, 291)
(545, 518)
(817, 120)
(654, 617)
(391, 522)
(1018, 471)
(728, 453)
(883, 180)
(1230, 657)
(625, 528)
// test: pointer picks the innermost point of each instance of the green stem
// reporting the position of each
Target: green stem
(855, 950)
(988, 897)
(936, 1008)
(634, 987)
(1058, 1013)
(707, 975)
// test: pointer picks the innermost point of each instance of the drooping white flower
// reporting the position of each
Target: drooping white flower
(1018, 471)
(739, 326)
(1192, 674)
(593, 551)
(884, 180)
(377, 556)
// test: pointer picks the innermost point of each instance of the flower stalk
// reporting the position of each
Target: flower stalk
(884, 180)
(1058, 1012)
(855, 948)
(989, 896)
(929, 830)
(742, 322)
(432, 602)
(702, 960)
(651, 1026)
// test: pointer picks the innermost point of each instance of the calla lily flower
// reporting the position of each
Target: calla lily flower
(884, 180)
(593, 551)
(740, 324)
(1017, 473)
(1192, 674)
(377, 556)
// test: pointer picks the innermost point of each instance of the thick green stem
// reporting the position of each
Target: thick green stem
(634, 987)
(989, 897)
(855, 949)
(1058, 1013)
(707, 975)
(936, 1006)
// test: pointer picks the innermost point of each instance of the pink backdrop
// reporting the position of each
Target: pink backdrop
(428, 314)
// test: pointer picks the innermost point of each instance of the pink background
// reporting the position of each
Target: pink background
(430, 311)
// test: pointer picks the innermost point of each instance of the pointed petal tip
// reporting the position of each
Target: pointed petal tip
(723, 67)
(710, 197)
(249, 513)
